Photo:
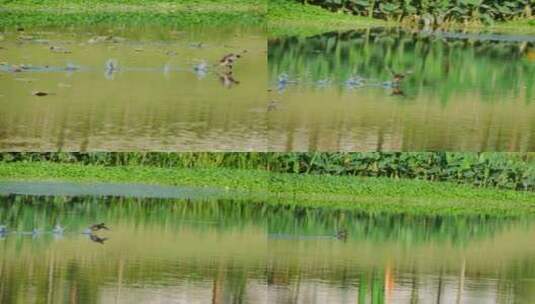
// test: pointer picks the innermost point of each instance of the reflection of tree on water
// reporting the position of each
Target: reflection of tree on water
(449, 101)
(78, 213)
(341, 271)
(445, 63)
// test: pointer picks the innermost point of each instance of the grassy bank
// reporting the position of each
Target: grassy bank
(371, 194)
(173, 13)
(289, 17)
(292, 18)
(515, 171)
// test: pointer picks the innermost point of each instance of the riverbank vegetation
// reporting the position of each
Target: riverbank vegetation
(434, 12)
(173, 13)
(515, 171)
(367, 194)
(313, 16)
(370, 182)
(292, 18)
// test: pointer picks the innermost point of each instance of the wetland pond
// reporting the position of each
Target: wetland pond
(389, 89)
(366, 90)
(190, 249)
(132, 89)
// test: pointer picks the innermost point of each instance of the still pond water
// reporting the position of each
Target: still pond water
(138, 89)
(460, 91)
(225, 251)
(158, 89)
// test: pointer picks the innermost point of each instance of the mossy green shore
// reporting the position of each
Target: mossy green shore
(172, 13)
(345, 192)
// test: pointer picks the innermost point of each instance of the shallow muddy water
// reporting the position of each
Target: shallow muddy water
(224, 251)
(458, 91)
(135, 89)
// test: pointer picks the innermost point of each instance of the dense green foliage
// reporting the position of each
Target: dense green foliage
(447, 65)
(502, 170)
(486, 169)
(435, 12)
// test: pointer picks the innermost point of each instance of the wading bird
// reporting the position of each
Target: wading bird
(341, 234)
(397, 78)
(229, 60)
(97, 227)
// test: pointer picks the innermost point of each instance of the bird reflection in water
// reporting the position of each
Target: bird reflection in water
(97, 239)
(227, 80)
(92, 236)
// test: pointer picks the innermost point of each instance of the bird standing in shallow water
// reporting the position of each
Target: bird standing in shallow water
(97, 227)
(397, 78)
(341, 234)
(228, 60)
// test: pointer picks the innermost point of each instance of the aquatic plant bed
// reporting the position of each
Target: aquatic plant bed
(131, 12)
(344, 192)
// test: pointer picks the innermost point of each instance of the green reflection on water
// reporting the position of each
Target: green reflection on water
(224, 251)
(458, 94)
